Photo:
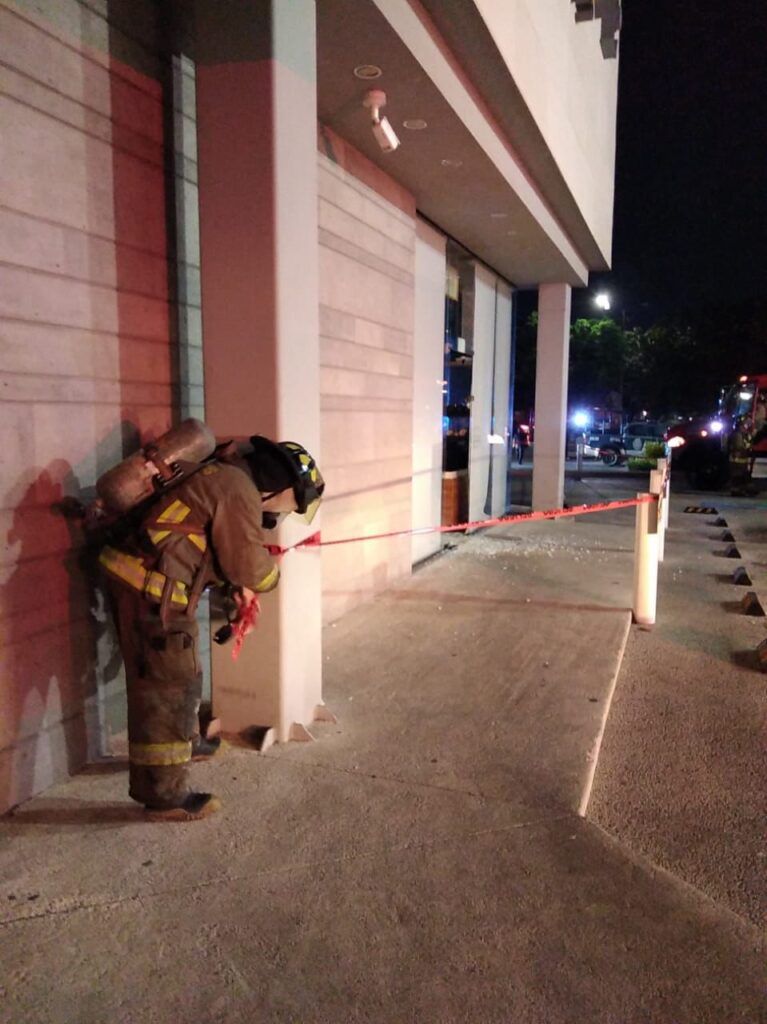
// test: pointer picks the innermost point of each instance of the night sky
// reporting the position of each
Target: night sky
(691, 178)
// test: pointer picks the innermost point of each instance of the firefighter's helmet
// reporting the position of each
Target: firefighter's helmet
(275, 466)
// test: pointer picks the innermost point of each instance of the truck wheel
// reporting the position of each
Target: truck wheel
(609, 457)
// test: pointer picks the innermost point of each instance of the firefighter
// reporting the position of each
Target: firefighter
(760, 420)
(206, 530)
(740, 458)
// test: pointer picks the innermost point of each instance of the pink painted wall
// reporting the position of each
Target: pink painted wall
(85, 356)
(239, 293)
(367, 256)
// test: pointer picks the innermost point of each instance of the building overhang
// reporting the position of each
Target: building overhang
(478, 170)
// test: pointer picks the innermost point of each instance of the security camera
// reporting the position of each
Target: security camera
(385, 135)
(383, 132)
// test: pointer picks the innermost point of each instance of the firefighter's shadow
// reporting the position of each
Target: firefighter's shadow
(59, 655)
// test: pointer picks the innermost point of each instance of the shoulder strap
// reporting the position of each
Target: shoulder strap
(198, 583)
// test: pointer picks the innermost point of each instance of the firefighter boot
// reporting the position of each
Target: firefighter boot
(203, 749)
(194, 807)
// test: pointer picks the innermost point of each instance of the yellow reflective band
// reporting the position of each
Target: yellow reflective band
(268, 581)
(155, 584)
(305, 460)
(151, 754)
(176, 512)
(131, 570)
(127, 568)
(158, 535)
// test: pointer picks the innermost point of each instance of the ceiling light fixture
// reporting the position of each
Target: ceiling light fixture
(452, 163)
(367, 72)
(499, 216)
(414, 124)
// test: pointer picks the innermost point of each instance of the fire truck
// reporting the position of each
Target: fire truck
(701, 445)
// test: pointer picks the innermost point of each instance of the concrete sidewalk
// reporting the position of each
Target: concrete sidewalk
(422, 861)
(682, 775)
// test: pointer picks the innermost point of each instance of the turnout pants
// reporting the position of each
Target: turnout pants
(164, 685)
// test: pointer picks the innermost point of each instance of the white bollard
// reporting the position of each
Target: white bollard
(657, 485)
(646, 563)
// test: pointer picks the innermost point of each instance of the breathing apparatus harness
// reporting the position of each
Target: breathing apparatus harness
(273, 467)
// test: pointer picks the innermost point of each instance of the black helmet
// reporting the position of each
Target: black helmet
(275, 466)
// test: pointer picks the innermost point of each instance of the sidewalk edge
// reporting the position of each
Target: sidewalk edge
(593, 755)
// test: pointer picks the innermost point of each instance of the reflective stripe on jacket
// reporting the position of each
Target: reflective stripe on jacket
(131, 570)
(207, 530)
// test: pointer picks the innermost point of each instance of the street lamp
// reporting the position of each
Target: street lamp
(602, 300)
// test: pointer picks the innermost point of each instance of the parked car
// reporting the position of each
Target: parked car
(614, 447)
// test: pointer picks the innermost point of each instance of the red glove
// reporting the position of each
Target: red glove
(246, 621)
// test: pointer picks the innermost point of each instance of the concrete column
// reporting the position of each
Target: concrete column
(500, 425)
(482, 384)
(257, 124)
(428, 368)
(553, 348)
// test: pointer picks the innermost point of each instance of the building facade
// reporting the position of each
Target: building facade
(197, 218)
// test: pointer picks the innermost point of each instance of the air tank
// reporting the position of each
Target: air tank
(154, 466)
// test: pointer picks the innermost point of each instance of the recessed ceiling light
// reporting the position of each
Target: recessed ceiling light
(415, 124)
(452, 163)
(498, 216)
(367, 71)
(511, 232)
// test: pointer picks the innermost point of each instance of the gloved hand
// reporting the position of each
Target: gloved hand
(243, 598)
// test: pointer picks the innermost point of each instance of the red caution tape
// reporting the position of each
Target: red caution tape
(243, 626)
(315, 540)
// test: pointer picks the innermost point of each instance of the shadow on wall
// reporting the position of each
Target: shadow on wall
(60, 664)
(102, 340)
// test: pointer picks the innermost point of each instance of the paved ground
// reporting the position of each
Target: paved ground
(682, 775)
(424, 860)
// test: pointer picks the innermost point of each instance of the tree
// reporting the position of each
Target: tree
(678, 366)
(675, 367)
(662, 372)
(597, 362)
